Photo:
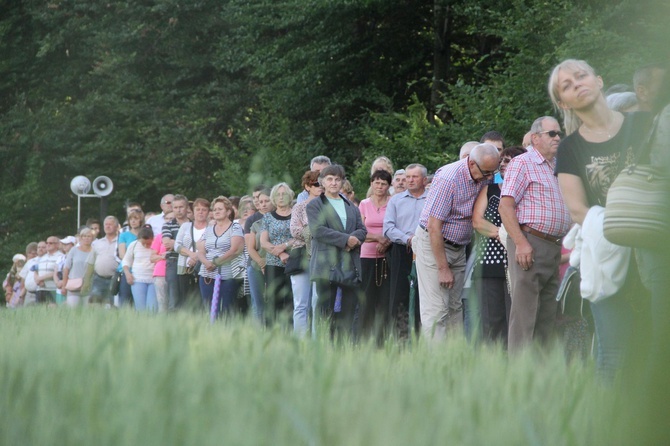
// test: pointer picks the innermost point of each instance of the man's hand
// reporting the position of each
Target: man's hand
(446, 277)
(524, 255)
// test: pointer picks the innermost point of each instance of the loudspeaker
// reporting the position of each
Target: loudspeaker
(103, 186)
(80, 185)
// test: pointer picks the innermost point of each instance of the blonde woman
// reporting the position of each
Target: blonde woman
(75, 269)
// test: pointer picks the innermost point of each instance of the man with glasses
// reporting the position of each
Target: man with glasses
(44, 271)
(445, 227)
(536, 219)
(157, 221)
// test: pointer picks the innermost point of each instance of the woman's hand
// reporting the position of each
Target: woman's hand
(209, 265)
(130, 279)
(283, 257)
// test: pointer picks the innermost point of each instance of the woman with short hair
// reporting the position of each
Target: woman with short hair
(139, 270)
(75, 268)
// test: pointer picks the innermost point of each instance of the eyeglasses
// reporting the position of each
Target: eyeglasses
(52, 243)
(167, 202)
(485, 173)
(552, 133)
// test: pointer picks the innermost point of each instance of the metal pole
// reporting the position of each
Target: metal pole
(78, 213)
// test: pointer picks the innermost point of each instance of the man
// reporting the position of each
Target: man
(495, 138)
(317, 164)
(647, 83)
(102, 263)
(44, 271)
(170, 230)
(445, 227)
(466, 149)
(157, 221)
(41, 248)
(28, 285)
(94, 225)
(536, 219)
(399, 181)
(400, 221)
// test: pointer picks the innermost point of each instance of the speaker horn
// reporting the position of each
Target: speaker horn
(103, 186)
(80, 185)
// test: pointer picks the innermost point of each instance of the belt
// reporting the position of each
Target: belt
(542, 235)
(102, 277)
(446, 242)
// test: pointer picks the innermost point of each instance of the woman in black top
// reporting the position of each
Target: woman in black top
(597, 148)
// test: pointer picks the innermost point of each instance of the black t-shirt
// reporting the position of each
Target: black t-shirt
(250, 221)
(598, 164)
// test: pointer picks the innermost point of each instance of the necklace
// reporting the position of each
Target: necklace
(379, 278)
(607, 132)
(379, 207)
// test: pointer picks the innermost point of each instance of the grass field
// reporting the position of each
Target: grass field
(96, 377)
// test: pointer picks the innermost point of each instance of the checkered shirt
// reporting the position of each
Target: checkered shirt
(450, 199)
(530, 180)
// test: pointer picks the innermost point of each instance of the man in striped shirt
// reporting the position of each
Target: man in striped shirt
(445, 227)
(536, 219)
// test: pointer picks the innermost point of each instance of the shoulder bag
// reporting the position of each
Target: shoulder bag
(637, 213)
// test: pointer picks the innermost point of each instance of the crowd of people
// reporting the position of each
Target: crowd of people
(477, 246)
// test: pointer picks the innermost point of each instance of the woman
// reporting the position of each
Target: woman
(185, 244)
(374, 267)
(300, 282)
(12, 282)
(380, 163)
(256, 261)
(588, 160)
(245, 210)
(337, 234)
(135, 222)
(220, 254)
(158, 259)
(489, 276)
(139, 270)
(276, 240)
(75, 268)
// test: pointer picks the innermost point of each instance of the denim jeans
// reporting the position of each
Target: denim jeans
(145, 296)
(257, 290)
(227, 293)
(302, 288)
(125, 292)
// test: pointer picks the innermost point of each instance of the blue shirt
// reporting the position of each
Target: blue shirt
(402, 216)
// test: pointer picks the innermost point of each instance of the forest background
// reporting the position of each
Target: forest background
(212, 97)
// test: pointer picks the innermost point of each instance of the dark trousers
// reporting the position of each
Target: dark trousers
(374, 304)
(188, 288)
(279, 292)
(494, 307)
(171, 283)
(339, 324)
(400, 263)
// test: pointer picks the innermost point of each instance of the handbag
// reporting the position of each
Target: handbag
(115, 283)
(296, 261)
(637, 213)
(195, 269)
(344, 277)
(74, 284)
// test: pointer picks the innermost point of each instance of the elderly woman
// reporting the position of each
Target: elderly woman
(139, 270)
(491, 261)
(302, 242)
(374, 267)
(185, 244)
(276, 240)
(337, 234)
(220, 251)
(75, 269)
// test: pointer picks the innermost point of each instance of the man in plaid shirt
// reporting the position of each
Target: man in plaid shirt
(445, 227)
(536, 219)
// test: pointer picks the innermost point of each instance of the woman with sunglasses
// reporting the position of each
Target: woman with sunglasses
(597, 148)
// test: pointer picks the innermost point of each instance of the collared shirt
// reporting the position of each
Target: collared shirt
(402, 216)
(103, 256)
(156, 222)
(530, 180)
(47, 264)
(170, 230)
(450, 199)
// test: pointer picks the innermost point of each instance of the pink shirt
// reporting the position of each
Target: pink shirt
(158, 246)
(530, 180)
(374, 222)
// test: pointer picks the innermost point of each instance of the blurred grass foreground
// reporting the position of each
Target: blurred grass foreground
(96, 377)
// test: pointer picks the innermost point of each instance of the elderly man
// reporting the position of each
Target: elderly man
(536, 219)
(445, 227)
(170, 231)
(44, 271)
(317, 164)
(102, 264)
(466, 149)
(157, 221)
(400, 221)
(399, 183)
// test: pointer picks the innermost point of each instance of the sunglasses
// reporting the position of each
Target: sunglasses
(552, 133)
